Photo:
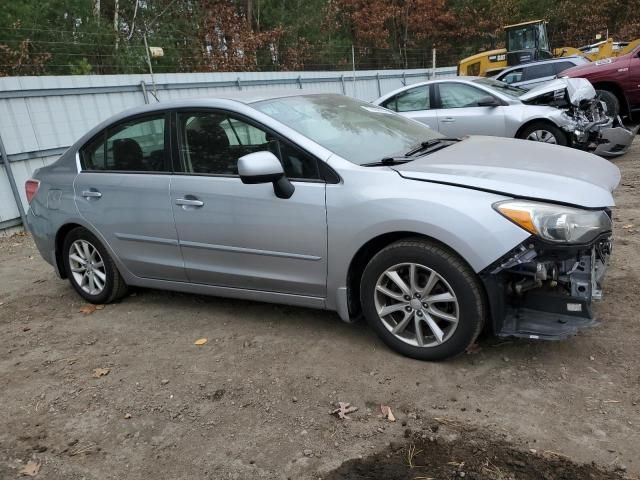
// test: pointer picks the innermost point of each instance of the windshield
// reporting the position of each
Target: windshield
(357, 131)
(522, 38)
(502, 87)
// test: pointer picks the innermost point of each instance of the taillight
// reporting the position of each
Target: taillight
(31, 188)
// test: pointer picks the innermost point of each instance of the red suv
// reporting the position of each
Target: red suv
(616, 79)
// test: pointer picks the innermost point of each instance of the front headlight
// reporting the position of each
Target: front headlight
(555, 223)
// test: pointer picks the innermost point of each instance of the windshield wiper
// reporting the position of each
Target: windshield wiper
(428, 144)
(433, 144)
(387, 161)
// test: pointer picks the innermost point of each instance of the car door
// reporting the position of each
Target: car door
(415, 103)
(459, 113)
(243, 236)
(123, 192)
(633, 89)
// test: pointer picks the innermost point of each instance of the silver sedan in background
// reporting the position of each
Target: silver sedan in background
(563, 111)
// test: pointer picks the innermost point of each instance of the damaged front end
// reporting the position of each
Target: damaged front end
(584, 116)
(543, 289)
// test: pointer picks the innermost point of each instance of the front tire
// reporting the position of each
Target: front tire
(544, 132)
(422, 300)
(90, 269)
(611, 101)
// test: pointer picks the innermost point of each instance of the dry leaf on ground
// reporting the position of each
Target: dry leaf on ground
(99, 307)
(343, 409)
(87, 309)
(200, 341)
(31, 469)
(101, 372)
(386, 411)
(628, 226)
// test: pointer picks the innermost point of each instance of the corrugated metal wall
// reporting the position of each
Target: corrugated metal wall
(41, 116)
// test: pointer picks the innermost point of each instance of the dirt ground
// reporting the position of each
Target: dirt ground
(254, 401)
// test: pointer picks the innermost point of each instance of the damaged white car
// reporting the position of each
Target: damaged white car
(564, 111)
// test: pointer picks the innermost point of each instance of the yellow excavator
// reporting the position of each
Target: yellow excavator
(528, 42)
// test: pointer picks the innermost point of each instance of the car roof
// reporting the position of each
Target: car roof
(246, 97)
(542, 62)
(460, 79)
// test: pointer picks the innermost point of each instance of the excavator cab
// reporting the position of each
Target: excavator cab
(527, 42)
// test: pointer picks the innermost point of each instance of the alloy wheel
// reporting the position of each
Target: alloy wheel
(542, 136)
(417, 305)
(87, 267)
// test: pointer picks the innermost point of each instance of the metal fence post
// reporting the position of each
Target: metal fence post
(378, 80)
(238, 83)
(300, 82)
(344, 87)
(12, 181)
(404, 79)
(143, 86)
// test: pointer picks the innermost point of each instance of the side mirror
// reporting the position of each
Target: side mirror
(264, 167)
(488, 101)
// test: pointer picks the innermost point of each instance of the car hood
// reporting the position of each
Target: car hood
(520, 168)
(577, 89)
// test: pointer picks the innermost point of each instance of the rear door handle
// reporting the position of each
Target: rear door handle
(448, 120)
(189, 202)
(91, 194)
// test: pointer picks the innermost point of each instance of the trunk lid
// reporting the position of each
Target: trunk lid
(517, 168)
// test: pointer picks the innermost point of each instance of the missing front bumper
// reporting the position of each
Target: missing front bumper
(545, 292)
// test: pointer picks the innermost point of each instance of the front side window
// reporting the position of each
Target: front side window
(211, 143)
(539, 71)
(410, 101)
(460, 95)
(136, 146)
(561, 67)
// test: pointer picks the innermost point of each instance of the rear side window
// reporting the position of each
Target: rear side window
(410, 101)
(538, 71)
(135, 146)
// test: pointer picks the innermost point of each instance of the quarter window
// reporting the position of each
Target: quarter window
(136, 145)
(513, 76)
(460, 95)
(211, 143)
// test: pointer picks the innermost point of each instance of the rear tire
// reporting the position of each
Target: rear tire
(611, 101)
(544, 132)
(90, 269)
(437, 315)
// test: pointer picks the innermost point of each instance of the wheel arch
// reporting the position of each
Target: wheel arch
(61, 234)
(541, 120)
(367, 251)
(617, 90)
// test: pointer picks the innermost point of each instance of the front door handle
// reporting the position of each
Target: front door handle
(189, 202)
(91, 194)
(448, 120)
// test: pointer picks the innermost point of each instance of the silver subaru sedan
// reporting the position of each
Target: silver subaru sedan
(327, 202)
